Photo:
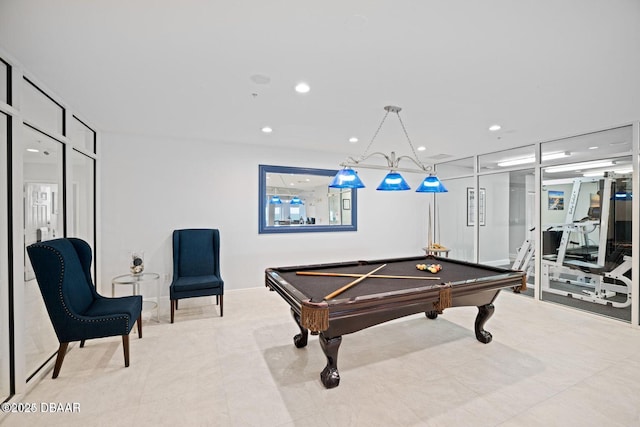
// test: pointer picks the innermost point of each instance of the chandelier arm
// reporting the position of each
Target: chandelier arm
(407, 135)
(374, 136)
(380, 167)
(363, 158)
(426, 168)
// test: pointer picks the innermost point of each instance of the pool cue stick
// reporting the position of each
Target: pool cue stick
(375, 276)
(350, 284)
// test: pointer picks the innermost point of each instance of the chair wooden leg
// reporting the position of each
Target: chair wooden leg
(125, 344)
(139, 321)
(217, 299)
(173, 304)
(176, 304)
(62, 351)
(221, 304)
(82, 343)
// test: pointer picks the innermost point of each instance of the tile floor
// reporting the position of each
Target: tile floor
(547, 366)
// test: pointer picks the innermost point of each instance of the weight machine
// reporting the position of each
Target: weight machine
(583, 263)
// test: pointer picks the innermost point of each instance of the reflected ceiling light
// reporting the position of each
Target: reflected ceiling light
(494, 128)
(33, 150)
(302, 87)
(579, 166)
(532, 159)
(267, 129)
(593, 148)
(347, 177)
(353, 140)
(422, 148)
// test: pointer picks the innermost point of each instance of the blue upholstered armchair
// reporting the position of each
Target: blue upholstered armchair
(196, 266)
(77, 312)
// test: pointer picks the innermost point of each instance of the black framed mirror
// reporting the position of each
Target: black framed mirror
(299, 200)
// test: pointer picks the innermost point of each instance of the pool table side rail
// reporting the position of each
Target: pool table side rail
(384, 261)
(321, 316)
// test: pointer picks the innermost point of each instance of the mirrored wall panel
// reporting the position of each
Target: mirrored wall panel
(4, 275)
(5, 82)
(82, 136)
(293, 200)
(39, 109)
(82, 201)
(43, 220)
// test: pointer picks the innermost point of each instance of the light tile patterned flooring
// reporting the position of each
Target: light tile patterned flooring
(547, 366)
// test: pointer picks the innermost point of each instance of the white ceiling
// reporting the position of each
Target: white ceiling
(541, 68)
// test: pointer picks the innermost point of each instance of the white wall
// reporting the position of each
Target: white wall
(152, 186)
(452, 230)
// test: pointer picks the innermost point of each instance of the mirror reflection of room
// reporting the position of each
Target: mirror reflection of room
(43, 220)
(305, 199)
(42, 177)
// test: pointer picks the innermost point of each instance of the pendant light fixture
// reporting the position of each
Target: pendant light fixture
(347, 177)
(295, 200)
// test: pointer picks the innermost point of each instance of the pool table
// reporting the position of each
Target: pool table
(383, 296)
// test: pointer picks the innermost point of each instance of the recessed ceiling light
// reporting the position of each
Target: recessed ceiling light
(422, 148)
(494, 128)
(302, 87)
(267, 129)
(33, 150)
(353, 139)
(260, 79)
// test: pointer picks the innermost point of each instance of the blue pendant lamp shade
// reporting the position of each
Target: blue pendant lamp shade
(431, 184)
(275, 200)
(346, 178)
(393, 182)
(296, 201)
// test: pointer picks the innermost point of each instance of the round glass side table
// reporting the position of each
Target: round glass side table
(135, 280)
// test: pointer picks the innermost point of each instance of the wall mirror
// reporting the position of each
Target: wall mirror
(299, 200)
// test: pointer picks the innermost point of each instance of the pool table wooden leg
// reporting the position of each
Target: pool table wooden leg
(484, 313)
(301, 339)
(330, 376)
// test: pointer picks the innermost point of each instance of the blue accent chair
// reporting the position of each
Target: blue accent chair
(196, 266)
(77, 312)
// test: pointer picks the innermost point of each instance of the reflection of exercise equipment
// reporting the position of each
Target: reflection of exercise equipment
(586, 264)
